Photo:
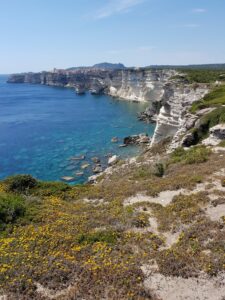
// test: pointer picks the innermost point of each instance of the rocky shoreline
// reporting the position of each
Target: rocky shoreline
(168, 97)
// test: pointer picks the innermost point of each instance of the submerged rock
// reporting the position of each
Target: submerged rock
(82, 157)
(79, 173)
(68, 178)
(95, 159)
(114, 139)
(85, 166)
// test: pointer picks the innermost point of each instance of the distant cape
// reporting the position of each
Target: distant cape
(104, 65)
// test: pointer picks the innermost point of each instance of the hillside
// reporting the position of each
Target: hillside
(105, 66)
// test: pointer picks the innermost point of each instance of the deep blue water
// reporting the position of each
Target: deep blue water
(42, 127)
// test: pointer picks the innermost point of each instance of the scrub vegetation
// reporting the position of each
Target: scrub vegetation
(84, 242)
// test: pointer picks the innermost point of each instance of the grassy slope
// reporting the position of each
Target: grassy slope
(98, 247)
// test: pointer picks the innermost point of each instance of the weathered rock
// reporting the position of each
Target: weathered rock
(136, 139)
(218, 131)
(216, 135)
(113, 160)
(92, 179)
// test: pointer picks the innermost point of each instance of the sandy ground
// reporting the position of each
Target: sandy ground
(176, 288)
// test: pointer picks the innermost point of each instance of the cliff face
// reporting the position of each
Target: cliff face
(174, 119)
(157, 87)
(130, 84)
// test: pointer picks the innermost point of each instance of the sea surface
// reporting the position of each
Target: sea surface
(42, 127)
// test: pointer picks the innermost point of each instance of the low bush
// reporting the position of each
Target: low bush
(104, 236)
(51, 188)
(20, 183)
(11, 208)
(194, 155)
(159, 170)
(214, 98)
(141, 220)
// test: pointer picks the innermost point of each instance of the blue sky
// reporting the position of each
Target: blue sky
(39, 35)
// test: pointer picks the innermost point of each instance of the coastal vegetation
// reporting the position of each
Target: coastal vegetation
(82, 240)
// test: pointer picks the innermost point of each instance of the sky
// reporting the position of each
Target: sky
(38, 35)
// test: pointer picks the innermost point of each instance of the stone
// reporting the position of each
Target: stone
(85, 166)
(114, 140)
(136, 139)
(130, 140)
(216, 135)
(113, 160)
(82, 157)
(79, 173)
(95, 159)
(92, 179)
(97, 169)
(218, 131)
(68, 178)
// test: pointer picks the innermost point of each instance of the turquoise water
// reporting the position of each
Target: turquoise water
(42, 127)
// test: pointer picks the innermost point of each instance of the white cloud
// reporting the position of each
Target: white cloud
(191, 25)
(199, 10)
(116, 7)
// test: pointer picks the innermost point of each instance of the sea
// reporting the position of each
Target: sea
(42, 130)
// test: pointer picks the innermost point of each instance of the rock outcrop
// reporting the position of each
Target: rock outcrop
(216, 135)
(173, 119)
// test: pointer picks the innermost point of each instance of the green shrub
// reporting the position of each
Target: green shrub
(159, 170)
(214, 98)
(20, 183)
(209, 120)
(51, 188)
(193, 155)
(222, 144)
(203, 76)
(11, 208)
(106, 236)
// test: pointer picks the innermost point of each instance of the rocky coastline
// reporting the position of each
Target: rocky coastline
(168, 97)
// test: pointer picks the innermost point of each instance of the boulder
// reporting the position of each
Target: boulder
(97, 169)
(218, 131)
(216, 135)
(92, 179)
(113, 160)
(142, 138)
